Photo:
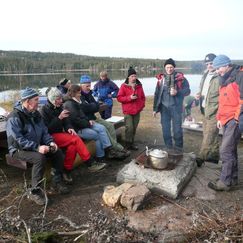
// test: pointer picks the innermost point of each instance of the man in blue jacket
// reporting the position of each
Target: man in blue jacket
(105, 90)
(28, 140)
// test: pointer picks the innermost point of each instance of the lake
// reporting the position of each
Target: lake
(11, 85)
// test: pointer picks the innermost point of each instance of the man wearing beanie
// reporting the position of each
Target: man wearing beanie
(230, 100)
(208, 97)
(57, 120)
(105, 90)
(63, 86)
(169, 94)
(29, 140)
(132, 98)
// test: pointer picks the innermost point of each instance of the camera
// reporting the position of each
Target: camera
(52, 149)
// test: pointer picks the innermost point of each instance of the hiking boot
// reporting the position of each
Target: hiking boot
(218, 186)
(59, 187)
(199, 162)
(38, 198)
(132, 147)
(126, 153)
(96, 166)
(67, 178)
(112, 154)
(234, 182)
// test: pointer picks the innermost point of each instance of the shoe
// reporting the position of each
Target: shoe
(234, 182)
(214, 161)
(133, 147)
(67, 178)
(113, 154)
(126, 153)
(97, 166)
(38, 198)
(218, 186)
(199, 162)
(59, 187)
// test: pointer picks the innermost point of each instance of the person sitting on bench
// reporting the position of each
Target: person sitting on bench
(29, 140)
(90, 106)
(57, 120)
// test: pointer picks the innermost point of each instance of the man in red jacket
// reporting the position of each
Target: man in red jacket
(132, 97)
(231, 77)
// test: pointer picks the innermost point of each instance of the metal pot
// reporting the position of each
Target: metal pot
(157, 158)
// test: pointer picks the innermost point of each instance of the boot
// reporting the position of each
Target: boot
(218, 185)
(199, 162)
(94, 166)
(38, 197)
(131, 146)
(67, 178)
(58, 186)
(113, 154)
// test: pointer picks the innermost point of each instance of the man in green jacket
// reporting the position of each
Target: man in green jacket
(208, 96)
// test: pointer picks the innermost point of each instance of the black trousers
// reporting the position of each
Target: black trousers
(38, 161)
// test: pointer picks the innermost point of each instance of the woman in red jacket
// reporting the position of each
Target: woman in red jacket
(132, 97)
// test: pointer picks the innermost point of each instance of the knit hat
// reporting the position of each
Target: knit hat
(221, 61)
(63, 81)
(28, 93)
(170, 61)
(85, 79)
(53, 94)
(131, 71)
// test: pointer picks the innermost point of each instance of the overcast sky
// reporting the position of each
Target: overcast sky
(181, 29)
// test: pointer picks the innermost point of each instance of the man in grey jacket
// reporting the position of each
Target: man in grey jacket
(208, 96)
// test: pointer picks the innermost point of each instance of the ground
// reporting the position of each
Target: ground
(197, 214)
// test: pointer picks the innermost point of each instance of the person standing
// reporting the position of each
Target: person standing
(29, 140)
(105, 90)
(230, 93)
(132, 98)
(208, 96)
(169, 94)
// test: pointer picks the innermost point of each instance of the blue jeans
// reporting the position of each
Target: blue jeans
(98, 133)
(172, 115)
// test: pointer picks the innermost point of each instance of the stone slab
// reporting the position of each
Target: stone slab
(167, 182)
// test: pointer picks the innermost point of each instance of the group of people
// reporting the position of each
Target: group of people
(57, 130)
(221, 98)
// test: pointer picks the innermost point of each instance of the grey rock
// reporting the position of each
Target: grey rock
(135, 197)
(167, 182)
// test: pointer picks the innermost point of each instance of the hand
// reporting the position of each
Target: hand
(219, 125)
(72, 131)
(52, 144)
(134, 97)
(91, 122)
(64, 114)
(109, 95)
(43, 149)
(154, 113)
(173, 91)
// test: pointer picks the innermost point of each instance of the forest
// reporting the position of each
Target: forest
(17, 62)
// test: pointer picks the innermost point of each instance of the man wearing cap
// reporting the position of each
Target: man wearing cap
(169, 94)
(29, 140)
(231, 82)
(63, 86)
(105, 90)
(208, 96)
(132, 98)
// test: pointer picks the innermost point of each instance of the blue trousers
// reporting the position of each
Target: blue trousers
(106, 113)
(98, 133)
(172, 116)
(228, 152)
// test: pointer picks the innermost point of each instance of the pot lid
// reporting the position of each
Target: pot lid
(158, 153)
